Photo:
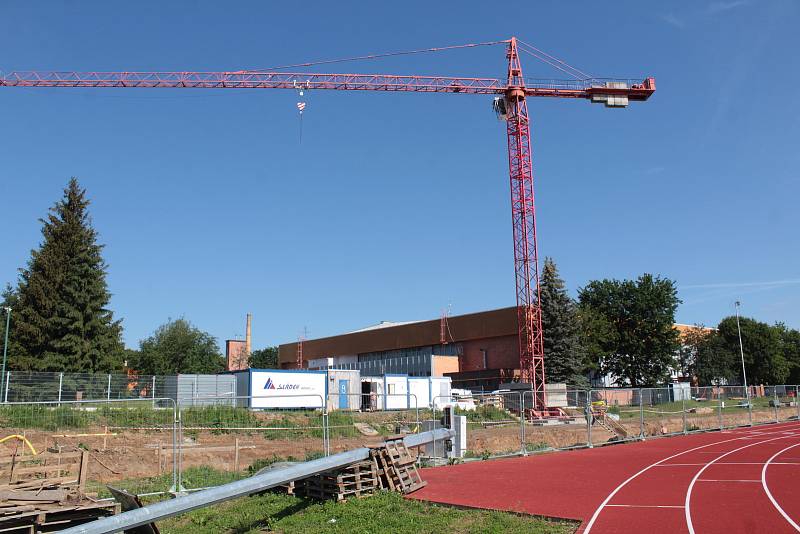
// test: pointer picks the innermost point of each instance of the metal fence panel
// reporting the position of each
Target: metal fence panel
(222, 440)
(616, 415)
(495, 422)
(359, 419)
(131, 443)
(569, 430)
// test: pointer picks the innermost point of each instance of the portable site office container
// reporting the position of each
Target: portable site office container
(395, 389)
(419, 392)
(429, 391)
(281, 388)
(371, 393)
(344, 389)
(440, 391)
(201, 390)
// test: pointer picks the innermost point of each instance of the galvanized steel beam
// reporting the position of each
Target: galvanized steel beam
(241, 488)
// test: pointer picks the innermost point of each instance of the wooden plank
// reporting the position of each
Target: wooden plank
(84, 471)
(22, 495)
(43, 469)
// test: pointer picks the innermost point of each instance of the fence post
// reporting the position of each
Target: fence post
(60, 383)
(683, 408)
(797, 400)
(524, 449)
(108, 391)
(719, 405)
(153, 391)
(777, 403)
(641, 414)
(749, 405)
(589, 415)
(8, 380)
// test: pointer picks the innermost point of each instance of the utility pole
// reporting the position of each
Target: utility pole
(5, 347)
(741, 351)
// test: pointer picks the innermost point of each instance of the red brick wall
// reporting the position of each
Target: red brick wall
(501, 353)
(236, 355)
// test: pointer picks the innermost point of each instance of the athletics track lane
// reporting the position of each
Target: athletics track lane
(643, 486)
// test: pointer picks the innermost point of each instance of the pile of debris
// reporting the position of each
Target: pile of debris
(390, 466)
(47, 492)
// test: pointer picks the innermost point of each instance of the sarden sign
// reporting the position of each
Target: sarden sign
(271, 388)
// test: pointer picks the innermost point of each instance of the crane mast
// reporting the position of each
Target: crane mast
(510, 103)
(523, 220)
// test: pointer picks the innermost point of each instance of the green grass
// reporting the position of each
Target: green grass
(485, 413)
(673, 409)
(382, 513)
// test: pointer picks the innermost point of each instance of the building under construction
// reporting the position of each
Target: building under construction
(477, 350)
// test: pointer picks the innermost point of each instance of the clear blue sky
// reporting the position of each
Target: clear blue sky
(396, 205)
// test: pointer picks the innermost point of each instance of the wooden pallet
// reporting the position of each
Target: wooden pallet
(398, 467)
(46, 492)
(56, 517)
(356, 480)
(65, 470)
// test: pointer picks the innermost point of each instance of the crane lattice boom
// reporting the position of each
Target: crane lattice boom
(632, 89)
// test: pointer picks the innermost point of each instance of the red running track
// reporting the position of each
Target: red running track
(744, 480)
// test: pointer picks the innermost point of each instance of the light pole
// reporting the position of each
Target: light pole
(744, 372)
(5, 349)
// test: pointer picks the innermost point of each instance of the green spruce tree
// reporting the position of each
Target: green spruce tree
(564, 359)
(61, 321)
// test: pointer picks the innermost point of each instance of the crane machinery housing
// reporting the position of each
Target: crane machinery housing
(510, 104)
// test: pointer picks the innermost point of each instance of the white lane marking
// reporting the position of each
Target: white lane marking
(730, 463)
(623, 484)
(687, 503)
(769, 493)
(643, 506)
(724, 480)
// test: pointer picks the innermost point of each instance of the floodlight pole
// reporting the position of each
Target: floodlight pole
(744, 372)
(5, 347)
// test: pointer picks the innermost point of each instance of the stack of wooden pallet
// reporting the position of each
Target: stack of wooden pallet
(356, 480)
(390, 466)
(397, 466)
(46, 492)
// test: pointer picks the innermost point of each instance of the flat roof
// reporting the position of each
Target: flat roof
(393, 336)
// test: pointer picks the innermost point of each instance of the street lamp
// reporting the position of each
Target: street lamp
(5, 348)
(741, 351)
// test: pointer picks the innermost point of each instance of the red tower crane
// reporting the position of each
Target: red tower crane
(510, 104)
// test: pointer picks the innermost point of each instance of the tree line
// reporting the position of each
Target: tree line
(625, 329)
(61, 319)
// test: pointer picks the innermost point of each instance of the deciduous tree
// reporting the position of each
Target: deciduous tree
(639, 341)
(178, 346)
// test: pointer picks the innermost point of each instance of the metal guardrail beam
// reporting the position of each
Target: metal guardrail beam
(240, 488)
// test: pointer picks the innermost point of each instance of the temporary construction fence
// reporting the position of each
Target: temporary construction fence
(131, 443)
(156, 445)
(221, 442)
(245, 440)
(27, 386)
